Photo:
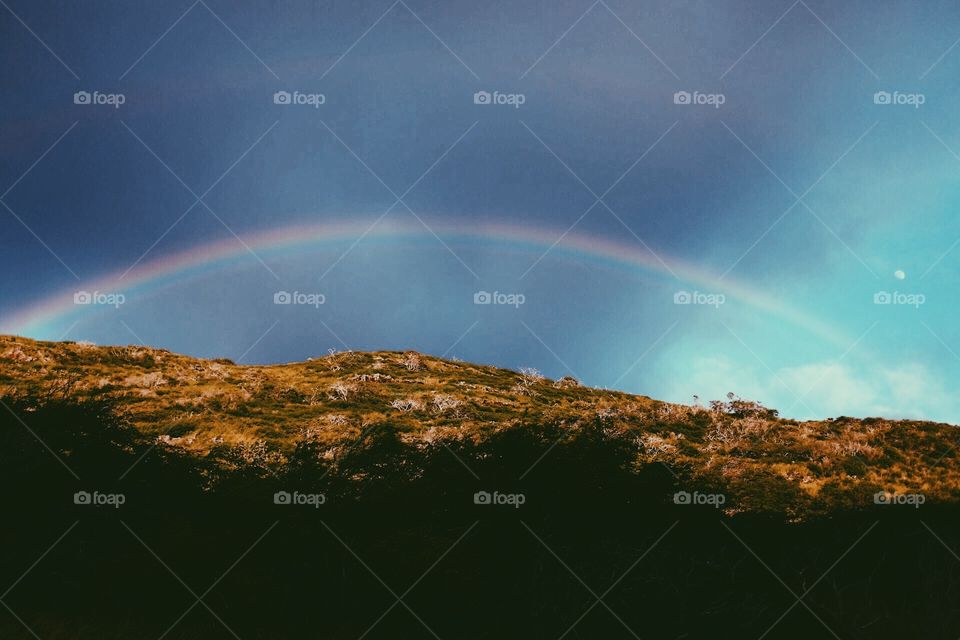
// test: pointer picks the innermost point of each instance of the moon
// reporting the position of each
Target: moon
(899, 274)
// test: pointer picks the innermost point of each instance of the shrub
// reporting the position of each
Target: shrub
(566, 382)
(443, 402)
(411, 360)
(407, 404)
(342, 390)
(530, 376)
(739, 408)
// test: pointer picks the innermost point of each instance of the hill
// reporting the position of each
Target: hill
(396, 495)
(232, 416)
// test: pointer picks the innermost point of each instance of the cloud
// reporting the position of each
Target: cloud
(822, 389)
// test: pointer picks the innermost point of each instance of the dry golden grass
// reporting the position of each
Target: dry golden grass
(201, 404)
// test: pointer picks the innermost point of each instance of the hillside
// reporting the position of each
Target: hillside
(268, 416)
(396, 495)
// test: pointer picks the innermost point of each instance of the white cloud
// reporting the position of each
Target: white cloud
(819, 389)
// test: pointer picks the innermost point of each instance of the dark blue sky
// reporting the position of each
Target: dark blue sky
(800, 198)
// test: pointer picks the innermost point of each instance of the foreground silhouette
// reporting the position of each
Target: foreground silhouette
(390, 539)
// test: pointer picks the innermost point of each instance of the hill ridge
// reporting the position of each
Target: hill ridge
(738, 448)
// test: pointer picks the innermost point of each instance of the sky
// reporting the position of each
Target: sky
(670, 198)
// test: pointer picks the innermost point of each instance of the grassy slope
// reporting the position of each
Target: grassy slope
(763, 462)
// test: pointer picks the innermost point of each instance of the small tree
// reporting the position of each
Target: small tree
(737, 407)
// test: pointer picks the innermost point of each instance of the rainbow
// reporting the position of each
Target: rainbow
(59, 309)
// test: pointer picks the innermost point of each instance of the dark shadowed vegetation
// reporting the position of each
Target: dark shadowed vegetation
(392, 507)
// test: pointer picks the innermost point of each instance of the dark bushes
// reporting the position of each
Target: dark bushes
(393, 510)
